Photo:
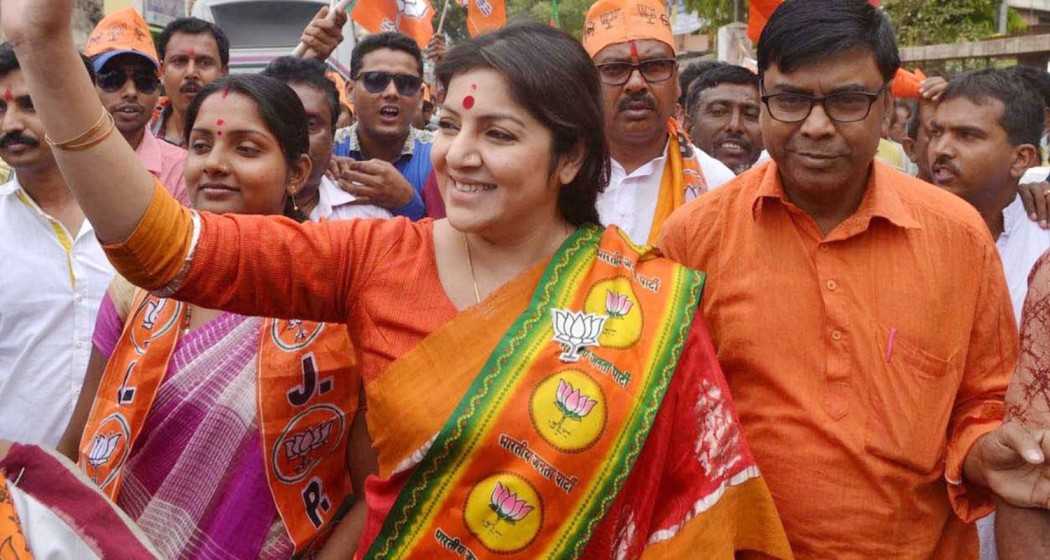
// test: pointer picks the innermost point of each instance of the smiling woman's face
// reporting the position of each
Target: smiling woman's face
(235, 163)
(492, 159)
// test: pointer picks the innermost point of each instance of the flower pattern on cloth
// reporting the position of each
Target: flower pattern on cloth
(718, 447)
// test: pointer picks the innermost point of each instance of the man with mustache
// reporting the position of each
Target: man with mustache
(125, 61)
(54, 275)
(984, 135)
(723, 109)
(193, 54)
(861, 315)
(655, 169)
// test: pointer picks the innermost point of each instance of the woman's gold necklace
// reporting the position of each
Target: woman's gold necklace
(470, 263)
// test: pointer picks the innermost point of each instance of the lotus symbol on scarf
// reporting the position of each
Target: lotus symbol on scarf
(617, 304)
(573, 404)
(576, 331)
(102, 448)
(299, 446)
(507, 506)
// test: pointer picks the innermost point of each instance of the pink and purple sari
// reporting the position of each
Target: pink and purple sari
(195, 481)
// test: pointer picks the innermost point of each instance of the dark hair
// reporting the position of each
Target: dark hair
(309, 72)
(1038, 79)
(194, 26)
(9, 63)
(544, 68)
(387, 40)
(1022, 106)
(718, 75)
(279, 106)
(915, 121)
(690, 73)
(803, 32)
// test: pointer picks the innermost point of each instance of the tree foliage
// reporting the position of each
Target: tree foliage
(928, 22)
(717, 12)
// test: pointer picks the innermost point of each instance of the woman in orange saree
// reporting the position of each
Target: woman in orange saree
(536, 387)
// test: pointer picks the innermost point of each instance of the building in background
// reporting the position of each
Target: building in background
(260, 31)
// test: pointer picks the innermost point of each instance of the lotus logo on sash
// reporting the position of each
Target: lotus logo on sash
(102, 448)
(617, 305)
(568, 410)
(508, 508)
(576, 331)
(299, 445)
(504, 512)
(573, 404)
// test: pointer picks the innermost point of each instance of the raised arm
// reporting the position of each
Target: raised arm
(110, 183)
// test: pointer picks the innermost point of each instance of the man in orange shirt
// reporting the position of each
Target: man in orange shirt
(860, 315)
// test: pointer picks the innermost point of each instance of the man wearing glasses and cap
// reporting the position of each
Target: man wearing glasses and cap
(655, 169)
(382, 159)
(860, 315)
(125, 63)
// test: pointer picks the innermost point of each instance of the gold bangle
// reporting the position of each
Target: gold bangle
(89, 138)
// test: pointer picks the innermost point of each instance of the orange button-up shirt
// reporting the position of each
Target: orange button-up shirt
(865, 363)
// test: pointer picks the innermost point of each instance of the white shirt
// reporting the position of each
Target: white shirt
(629, 201)
(1020, 245)
(336, 204)
(51, 285)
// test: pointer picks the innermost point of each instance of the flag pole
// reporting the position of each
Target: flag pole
(441, 22)
(333, 5)
(554, 14)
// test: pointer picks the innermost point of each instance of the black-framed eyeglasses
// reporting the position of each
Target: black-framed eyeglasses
(377, 81)
(843, 106)
(113, 80)
(653, 70)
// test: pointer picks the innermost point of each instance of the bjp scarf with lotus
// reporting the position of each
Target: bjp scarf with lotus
(578, 413)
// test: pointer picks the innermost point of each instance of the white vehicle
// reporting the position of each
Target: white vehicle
(261, 30)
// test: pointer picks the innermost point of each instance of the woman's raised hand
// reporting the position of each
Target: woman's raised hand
(27, 21)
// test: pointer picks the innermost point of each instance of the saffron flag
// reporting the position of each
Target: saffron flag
(411, 17)
(485, 15)
(906, 84)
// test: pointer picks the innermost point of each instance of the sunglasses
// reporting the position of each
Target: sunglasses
(114, 80)
(376, 82)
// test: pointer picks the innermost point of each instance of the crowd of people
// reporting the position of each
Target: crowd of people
(570, 299)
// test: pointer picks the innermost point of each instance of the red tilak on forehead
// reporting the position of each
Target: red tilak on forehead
(468, 102)
(225, 92)
(634, 52)
(8, 96)
(219, 124)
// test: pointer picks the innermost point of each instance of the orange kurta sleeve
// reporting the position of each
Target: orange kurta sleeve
(267, 266)
(155, 254)
(979, 406)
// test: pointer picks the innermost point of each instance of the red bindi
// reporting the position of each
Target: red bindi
(468, 102)
(8, 96)
(225, 92)
(220, 122)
